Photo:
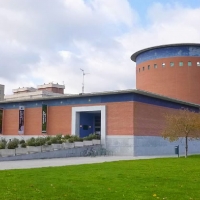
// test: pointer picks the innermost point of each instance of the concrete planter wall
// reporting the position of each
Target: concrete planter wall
(87, 142)
(47, 148)
(32, 149)
(78, 144)
(68, 145)
(96, 141)
(7, 152)
(57, 146)
(20, 151)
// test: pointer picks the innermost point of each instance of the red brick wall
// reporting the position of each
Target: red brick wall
(10, 122)
(149, 119)
(33, 121)
(119, 118)
(176, 82)
(59, 120)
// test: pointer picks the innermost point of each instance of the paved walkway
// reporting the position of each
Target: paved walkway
(25, 164)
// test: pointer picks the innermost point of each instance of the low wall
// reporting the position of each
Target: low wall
(63, 153)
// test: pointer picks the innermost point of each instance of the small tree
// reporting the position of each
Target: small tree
(184, 123)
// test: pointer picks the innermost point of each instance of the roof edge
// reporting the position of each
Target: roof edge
(134, 56)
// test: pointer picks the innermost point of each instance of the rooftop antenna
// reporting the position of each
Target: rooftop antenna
(83, 79)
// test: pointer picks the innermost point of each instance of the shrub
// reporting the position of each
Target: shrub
(40, 141)
(67, 137)
(94, 136)
(49, 142)
(2, 145)
(77, 139)
(87, 138)
(12, 145)
(23, 145)
(59, 136)
(48, 138)
(15, 141)
(71, 140)
(54, 140)
(22, 142)
(30, 142)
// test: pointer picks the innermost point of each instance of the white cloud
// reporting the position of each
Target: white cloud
(45, 41)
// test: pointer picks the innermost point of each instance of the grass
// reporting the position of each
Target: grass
(166, 178)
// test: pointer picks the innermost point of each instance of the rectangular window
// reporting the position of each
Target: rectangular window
(163, 64)
(139, 69)
(143, 68)
(189, 63)
(198, 64)
(181, 64)
(171, 64)
(148, 67)
(155, 66)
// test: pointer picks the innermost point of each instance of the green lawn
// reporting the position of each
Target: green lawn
(167, 178)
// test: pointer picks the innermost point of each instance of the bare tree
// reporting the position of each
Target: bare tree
(183, 123)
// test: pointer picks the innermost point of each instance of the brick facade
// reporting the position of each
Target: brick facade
(10, 122)
(175, 82)
(119, 119)
(149, 119)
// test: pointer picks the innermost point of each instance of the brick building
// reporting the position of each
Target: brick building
(130, 121)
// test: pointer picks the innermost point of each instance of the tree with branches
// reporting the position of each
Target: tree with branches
(183, 123)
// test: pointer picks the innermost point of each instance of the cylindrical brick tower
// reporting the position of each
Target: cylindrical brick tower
(170, 70)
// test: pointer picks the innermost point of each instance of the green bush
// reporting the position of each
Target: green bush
(59, 136)
(2, 145)
(77, 139)
(67, 137)
(92, 137)
(54, 140)
(40, 141)
(22, 142)
(12, 145)
(30, 142)
(87, 138)
(71, 140)
(48, 138)
(49, 143)
(15, 141)
(23, 145)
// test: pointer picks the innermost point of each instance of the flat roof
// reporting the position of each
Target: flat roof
(134, 56)
(142, 92)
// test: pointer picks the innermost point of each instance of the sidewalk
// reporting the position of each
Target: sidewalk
(26, 164)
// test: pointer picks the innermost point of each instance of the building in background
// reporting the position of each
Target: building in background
(2, 92)
(42, 91)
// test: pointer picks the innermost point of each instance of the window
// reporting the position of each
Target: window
(172, 64)
(163, 64)
(143, 68)
(189, 63)
(181, 64)
(148, 67)
(139, 69)
(198, 64)
(155, 66)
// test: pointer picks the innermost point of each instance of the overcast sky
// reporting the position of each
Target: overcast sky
(44, 41)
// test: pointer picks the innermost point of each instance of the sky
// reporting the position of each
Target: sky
(43, 41)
